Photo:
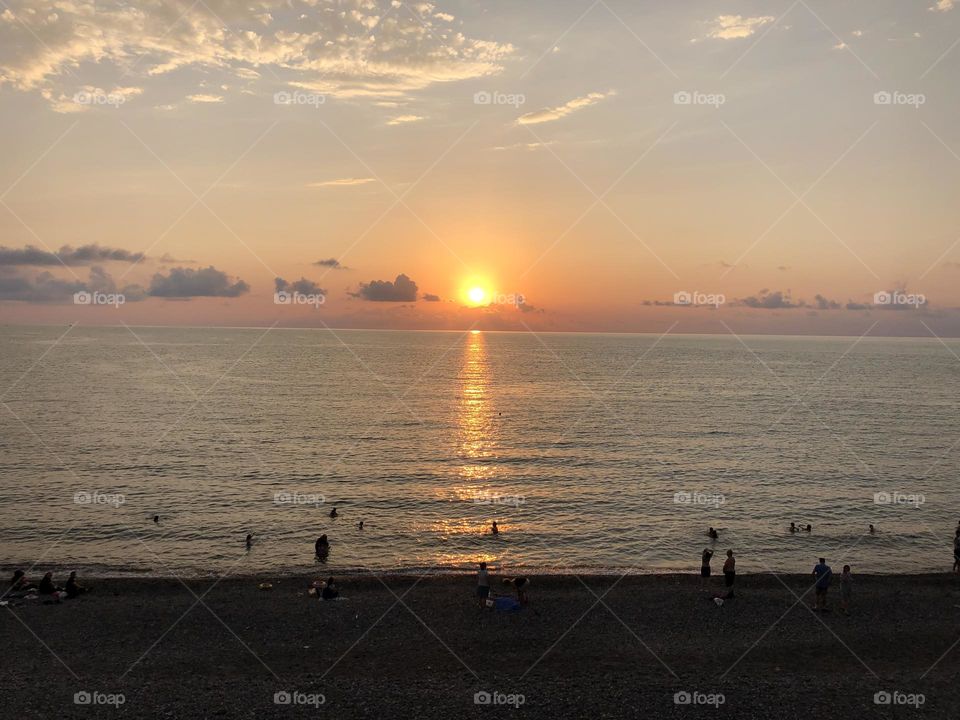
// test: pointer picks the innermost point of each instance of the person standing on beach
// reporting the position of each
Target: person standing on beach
(483, 585)
(824, 575)
(956, 551)
(846, 590)
(729, 572)
(705, 567)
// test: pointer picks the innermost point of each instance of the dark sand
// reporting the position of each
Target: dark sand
(372, 656)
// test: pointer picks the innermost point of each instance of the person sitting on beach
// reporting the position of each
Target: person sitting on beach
(483, 585)
(730, 572)
(333, 513)
(846, 590)
(956, 551)
(520, 585)
(72, 588)
(824, 575)
(330, 591)
(705, 566)
(20, 584)
(713, 534)
(47, 587)
(494, 529)
(322, 545)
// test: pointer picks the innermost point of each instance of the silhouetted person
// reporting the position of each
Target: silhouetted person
(360, 525)
(824, 575)
(494, 529)
(72, 589)
(322, 545)
(705, 566)
(46, 585)
(330, 591)
(872, 529)
(809, 528)
(730, 572)
(249, 541)
(156, 518)
(713, 533)
(793, 527)
(333, 513)
(19, 583)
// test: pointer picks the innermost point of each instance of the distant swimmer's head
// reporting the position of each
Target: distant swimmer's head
(809, 528)
(156, 518)
(871, 528)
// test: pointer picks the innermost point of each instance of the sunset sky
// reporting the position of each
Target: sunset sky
(580, 164)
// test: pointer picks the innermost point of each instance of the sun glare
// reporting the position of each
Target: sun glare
(476, 295)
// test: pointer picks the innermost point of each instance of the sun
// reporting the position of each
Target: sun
(476, 295)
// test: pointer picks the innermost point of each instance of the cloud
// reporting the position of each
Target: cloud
(942, 6)
(555, 113)
(205, 98)
(766, 300)
(83, 255)
(331, 263)
(403, 289)
(45, 287)
(404, 119)
(302, 286)
(342, 182)
(349, 48)
(430, 297)
(734, 27)
(187, 282)
(822, 303)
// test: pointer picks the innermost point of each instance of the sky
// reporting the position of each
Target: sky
(611, 165)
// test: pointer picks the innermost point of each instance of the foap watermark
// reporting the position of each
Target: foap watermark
(494, 97)
(899, 498)
(895, 697)
(898, 298)
(94, 697)
(98, 298)
(97, 497)
(295, 297)
(498, 698)
(99, 98)
(488, 498)
(515, 299)
(895, 97)
(697, 298)
(696, 697)
(684, 497)
(300, 98)
(295, 697)
(287, 497)
(695, 97)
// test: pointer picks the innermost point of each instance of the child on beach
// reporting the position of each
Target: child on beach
(705, 566)
(846, 589)
(483, 585)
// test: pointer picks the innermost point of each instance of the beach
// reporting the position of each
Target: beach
(594, 646)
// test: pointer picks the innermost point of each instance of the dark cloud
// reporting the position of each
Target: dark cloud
(332, 263)
(187, 282)
(403, 289)
(430, 297)
(525, 308)
(303, 286)
(45, 287)
(766, 300)
(83, 255)
(823, 303)
(168, 259)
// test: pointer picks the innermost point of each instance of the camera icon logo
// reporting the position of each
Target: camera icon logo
(282, 297)
(882, 698)
(82, 298)
(682, 698)
(882, 298)
(682, 298)
(882, 498)
(82, 698)
(682, 98)
(283, 697)
(882, 98)
(482, 698)
(482, 98)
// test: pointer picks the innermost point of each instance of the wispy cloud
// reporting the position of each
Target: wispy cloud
(404, 119)
(204, 98)
(734, 27)
(561, 111)
(942, 6)
(341, 182)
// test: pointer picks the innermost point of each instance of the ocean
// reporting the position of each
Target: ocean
(594, 453)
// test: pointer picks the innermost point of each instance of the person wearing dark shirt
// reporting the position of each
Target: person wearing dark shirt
(330, 591)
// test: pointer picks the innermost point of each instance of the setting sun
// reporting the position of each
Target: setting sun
(476, 295)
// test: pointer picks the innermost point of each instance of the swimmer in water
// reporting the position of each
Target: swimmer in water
(872, 529)
(156, 518)
(809, 528)
(360, 525)
(494, 529)
(322, 545)
(793, 527)
(713, 533)
(333, 513)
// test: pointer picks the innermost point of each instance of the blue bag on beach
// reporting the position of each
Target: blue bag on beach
(506, 603)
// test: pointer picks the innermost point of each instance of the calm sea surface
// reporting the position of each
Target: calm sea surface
(594, 453)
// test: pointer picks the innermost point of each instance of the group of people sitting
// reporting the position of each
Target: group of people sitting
(21, 587)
